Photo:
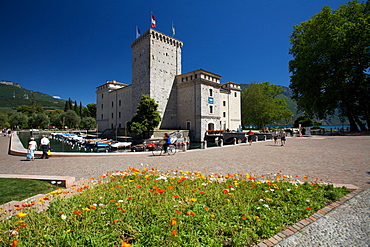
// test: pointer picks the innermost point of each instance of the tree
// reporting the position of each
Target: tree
(91, 110)
(3, 120)
(18, 120)
(70, 119)
(330, 69)
(88, 123)
(146, 118)
(260, 105)
(38, 120)
(304, 120)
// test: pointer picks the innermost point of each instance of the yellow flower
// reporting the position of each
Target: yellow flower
(192, 200)
(69, 230)
(258, 218)
(212, 215)
(86, 209)
(19, 221)
(228, 200)
(21, 215)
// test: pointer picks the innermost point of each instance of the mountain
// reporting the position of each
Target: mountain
(13, 95)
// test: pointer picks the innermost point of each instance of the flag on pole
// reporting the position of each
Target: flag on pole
(154, 25)
(173, 30)
(137, 32)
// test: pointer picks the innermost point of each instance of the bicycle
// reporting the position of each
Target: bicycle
(159, 149)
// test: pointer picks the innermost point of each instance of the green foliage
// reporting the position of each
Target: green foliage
(15, 189)
(304, 120)
(88, 123)
(260, 105)
(38, 120)
(146, 118)
(3, 120)
(69, 119)
(331, 60)
(18, 120)
(152, 208)
(91, 110)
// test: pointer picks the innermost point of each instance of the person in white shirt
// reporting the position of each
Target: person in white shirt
(32, 145)
(45, 145)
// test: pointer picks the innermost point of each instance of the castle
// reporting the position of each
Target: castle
(194, 101)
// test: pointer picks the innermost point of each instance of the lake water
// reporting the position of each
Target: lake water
(61, 146)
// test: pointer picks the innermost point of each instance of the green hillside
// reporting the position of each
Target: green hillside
(12, 96)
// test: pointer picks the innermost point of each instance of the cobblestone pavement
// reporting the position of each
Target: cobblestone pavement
(335, 159)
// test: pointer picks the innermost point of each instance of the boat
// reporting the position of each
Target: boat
(120, 144)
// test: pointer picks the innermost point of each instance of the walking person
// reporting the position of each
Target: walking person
(44, 145)
(275, 135)
(250, 136)
(283, 137)
(32, 145)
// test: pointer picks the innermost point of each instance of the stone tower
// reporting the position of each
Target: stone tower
(156, 60)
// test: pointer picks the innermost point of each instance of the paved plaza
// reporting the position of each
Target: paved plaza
(335, 159)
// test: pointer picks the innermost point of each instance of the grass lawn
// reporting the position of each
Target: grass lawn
(16, 189)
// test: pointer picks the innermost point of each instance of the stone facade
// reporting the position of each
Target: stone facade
(195, 101)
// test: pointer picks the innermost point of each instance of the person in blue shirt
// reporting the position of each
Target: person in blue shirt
(167, 141)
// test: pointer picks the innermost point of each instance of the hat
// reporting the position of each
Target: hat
(32, 138)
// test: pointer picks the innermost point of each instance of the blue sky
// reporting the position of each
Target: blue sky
(67, 48)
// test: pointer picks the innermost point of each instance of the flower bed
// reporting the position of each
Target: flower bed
(176, 208)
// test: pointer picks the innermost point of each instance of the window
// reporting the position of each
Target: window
(112, 103)
(210, 109)
(224, 103)
(210, 92)
(102, 95)
(112, 114)
(188, 124)
(119, 102)
(119, 114)
(102, 106)
(102, 116)
(236, 95)
(224, 114)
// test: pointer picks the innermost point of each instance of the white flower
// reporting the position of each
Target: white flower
(120, 201)
(204, 184)
(265, 205)
(63, 217)
(258, 207)
(162, 178)
(102, 212)
(232, 188)
(261, 200)
(307, 200)
(101, 205)
(288, 189)
(271, 189)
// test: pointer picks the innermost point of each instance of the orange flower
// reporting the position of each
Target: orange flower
(176, 196)
(130, 198)
(23, 225)
(202, 192)
(206, 208)
(178, 211)
(15, 243)
(124, 244)
(93, 207)
(115, 220)
(170, 187)
(77, 212)
(174, 232)
(172, 222)
(139, 186)
(244, 218)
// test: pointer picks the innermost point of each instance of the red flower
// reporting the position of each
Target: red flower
(23, 225)
(308, 208)
(176, 196)
(174, 232)
(130, 198)
(225, 191)
(244, 218)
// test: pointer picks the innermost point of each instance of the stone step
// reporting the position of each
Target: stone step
(61, 181)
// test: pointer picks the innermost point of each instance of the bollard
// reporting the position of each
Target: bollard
(221, 142)
(184, 147)
(205, 144)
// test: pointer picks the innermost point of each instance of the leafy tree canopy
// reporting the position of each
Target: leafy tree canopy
(146, 118)
(18, 120)
(330, 69)
(260, 105)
